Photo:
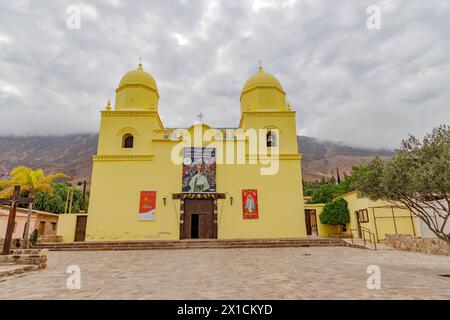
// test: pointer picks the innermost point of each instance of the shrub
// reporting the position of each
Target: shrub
(335, 213)
(34, 237)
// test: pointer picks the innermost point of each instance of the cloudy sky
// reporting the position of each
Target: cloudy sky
(347, 83)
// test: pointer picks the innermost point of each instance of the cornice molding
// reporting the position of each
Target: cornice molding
(137, 86)
(132, 114)
(123, 158)
(129, 113)
(264, 114)
(254, 87)
(269, 113)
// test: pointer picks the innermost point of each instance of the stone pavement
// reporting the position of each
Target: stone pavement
(267, 273)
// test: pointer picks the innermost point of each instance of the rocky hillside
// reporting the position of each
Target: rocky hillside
(321, 156)
(72, 155)
(69, 154)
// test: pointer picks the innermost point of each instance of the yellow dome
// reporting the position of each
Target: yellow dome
(138, 76)
(262, 79)
(137, 91)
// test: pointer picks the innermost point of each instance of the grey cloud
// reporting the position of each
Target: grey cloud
(346, 82)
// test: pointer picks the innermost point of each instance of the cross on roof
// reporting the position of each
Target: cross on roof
(140, 59)
(200, 116)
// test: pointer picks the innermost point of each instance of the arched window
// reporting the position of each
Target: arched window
(271, 139)
(127, 141)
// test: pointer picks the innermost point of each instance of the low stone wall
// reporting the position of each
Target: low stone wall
(37, 257)
(50, 238)
(417, 244)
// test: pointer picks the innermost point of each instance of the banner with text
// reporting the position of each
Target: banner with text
(147, 206)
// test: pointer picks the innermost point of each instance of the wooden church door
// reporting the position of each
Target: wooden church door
(198, 219)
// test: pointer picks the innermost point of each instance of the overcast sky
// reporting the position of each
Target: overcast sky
(346, 82)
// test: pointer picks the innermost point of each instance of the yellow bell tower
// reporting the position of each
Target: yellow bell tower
(137, 91)
(263, 106)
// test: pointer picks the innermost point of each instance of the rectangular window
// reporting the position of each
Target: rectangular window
(54, 226)
(363, 215)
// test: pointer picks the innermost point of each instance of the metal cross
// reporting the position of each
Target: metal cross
(200, 116)
(140, 60)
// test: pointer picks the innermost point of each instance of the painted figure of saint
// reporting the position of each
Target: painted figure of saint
(199, 182)
(250, 205)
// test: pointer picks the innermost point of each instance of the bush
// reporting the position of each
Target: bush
(34, 237)
(335, 213)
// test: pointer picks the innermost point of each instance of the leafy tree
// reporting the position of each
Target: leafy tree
(335, 213)
(325, 193)
(56, 201)
(31, 181)
(417, 177)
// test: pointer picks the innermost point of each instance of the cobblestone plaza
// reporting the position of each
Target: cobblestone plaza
(269, 273)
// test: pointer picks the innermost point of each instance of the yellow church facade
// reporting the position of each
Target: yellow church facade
(150, 182)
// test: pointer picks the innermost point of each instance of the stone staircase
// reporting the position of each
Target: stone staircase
(192, 244)
(22, 260)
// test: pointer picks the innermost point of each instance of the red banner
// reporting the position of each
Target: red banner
(250, 204)
(147, 205)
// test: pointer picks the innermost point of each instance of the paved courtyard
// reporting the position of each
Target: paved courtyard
(272, 273)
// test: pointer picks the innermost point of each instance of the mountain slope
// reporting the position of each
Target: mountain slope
(72, 155)
(321, 156)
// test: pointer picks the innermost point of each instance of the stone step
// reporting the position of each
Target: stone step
(11, 270)
(192, 244)
(25, 251)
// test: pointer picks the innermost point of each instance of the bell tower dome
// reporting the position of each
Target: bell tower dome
(263, 92)
(137, 91)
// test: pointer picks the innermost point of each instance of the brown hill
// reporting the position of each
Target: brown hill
(320, 157)
(72, 154)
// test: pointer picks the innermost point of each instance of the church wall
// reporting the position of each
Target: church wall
(113, 211)
(66, 226)
(280, 202)
(285, 123)
(115, 195)
(136, 98)
(263, 99)
(268, 98)
(113, 128)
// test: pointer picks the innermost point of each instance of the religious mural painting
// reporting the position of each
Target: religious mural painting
(199, 170)
(250, 203)
(147, 206)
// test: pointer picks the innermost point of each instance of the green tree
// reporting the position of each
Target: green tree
(31, 181)
(417, 177)
(325, 193)
(335, 213)
(56, 201)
